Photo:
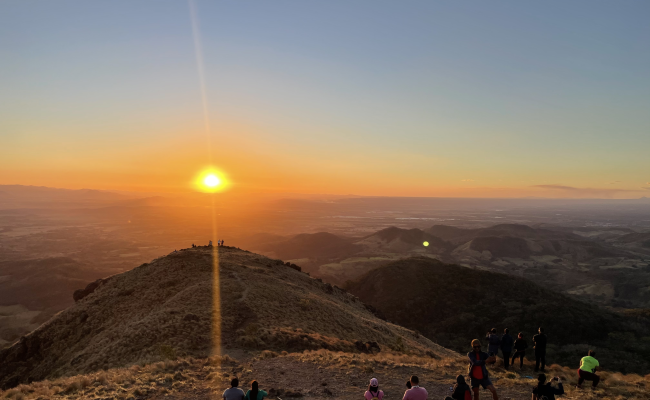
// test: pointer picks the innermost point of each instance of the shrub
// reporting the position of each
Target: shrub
(167, 352)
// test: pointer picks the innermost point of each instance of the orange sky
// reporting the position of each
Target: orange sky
(310, 99)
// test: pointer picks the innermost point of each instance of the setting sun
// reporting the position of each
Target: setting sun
(211, 180)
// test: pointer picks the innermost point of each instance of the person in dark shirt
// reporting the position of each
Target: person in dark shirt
(461, 389)
(546, 391)
(540, 349)
(493, 342)
(520, 350)
(506, 347)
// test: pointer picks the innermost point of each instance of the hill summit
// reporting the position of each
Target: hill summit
(180, 305)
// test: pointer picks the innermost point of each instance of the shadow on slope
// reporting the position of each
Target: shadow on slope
(451, 305)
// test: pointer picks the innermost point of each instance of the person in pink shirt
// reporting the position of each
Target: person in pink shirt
(415, 392)
(373, 392)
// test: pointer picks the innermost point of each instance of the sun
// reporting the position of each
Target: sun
(211, 181)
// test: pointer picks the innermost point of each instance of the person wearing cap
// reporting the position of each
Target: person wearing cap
(373, 392)
(478, 374)
(415, 392)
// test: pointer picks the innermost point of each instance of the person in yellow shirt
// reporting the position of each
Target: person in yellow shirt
(587, 371)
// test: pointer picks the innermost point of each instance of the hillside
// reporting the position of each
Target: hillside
(320, 245)
(310, 374)
(31, 291)
(168, 307)
(450, 304)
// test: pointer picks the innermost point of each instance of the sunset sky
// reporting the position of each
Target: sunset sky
(391, 98)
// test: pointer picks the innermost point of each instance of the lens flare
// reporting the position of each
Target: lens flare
(425, 244)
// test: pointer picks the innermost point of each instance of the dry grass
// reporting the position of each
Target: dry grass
(164, 310)
(320, 373)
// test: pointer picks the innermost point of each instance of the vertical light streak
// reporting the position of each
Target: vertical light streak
(198, 51)
(216, 284)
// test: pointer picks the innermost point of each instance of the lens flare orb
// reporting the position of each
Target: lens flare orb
(425, 244)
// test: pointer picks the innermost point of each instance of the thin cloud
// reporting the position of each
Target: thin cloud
(572, 191)
(557, 187)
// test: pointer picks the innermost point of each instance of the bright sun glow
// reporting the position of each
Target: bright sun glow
(211, 181)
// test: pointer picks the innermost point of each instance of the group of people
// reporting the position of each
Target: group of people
(478, 375)
(235, 393)
(507, 345)
(219, 243)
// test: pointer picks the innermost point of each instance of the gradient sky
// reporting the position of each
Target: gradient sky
(417, 98)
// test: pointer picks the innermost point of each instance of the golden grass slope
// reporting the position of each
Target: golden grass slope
(308, 374)
(165, 309)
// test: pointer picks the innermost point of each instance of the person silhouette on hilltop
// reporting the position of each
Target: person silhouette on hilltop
(520, 350)
(506, 347)
(494, 341)
(540, 349)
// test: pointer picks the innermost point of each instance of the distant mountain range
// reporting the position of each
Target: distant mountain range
(574, 261)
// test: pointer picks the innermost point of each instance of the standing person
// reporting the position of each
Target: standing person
(587, 371)
(255, 393)
(233, 393)
(373, 392)
(540, 349)
(520, 350)
(222, 241)
(506, 347)
(415, 392)
(494, 341)
(477, 372)
(546, 391)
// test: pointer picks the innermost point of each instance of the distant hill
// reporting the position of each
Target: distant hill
(451, 305)
(459, 235)
(314, 245)
(599, 264)
(32, 291)
(169, 307)
(405, 240)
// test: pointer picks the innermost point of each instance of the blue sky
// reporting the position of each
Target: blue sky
(418, 97)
